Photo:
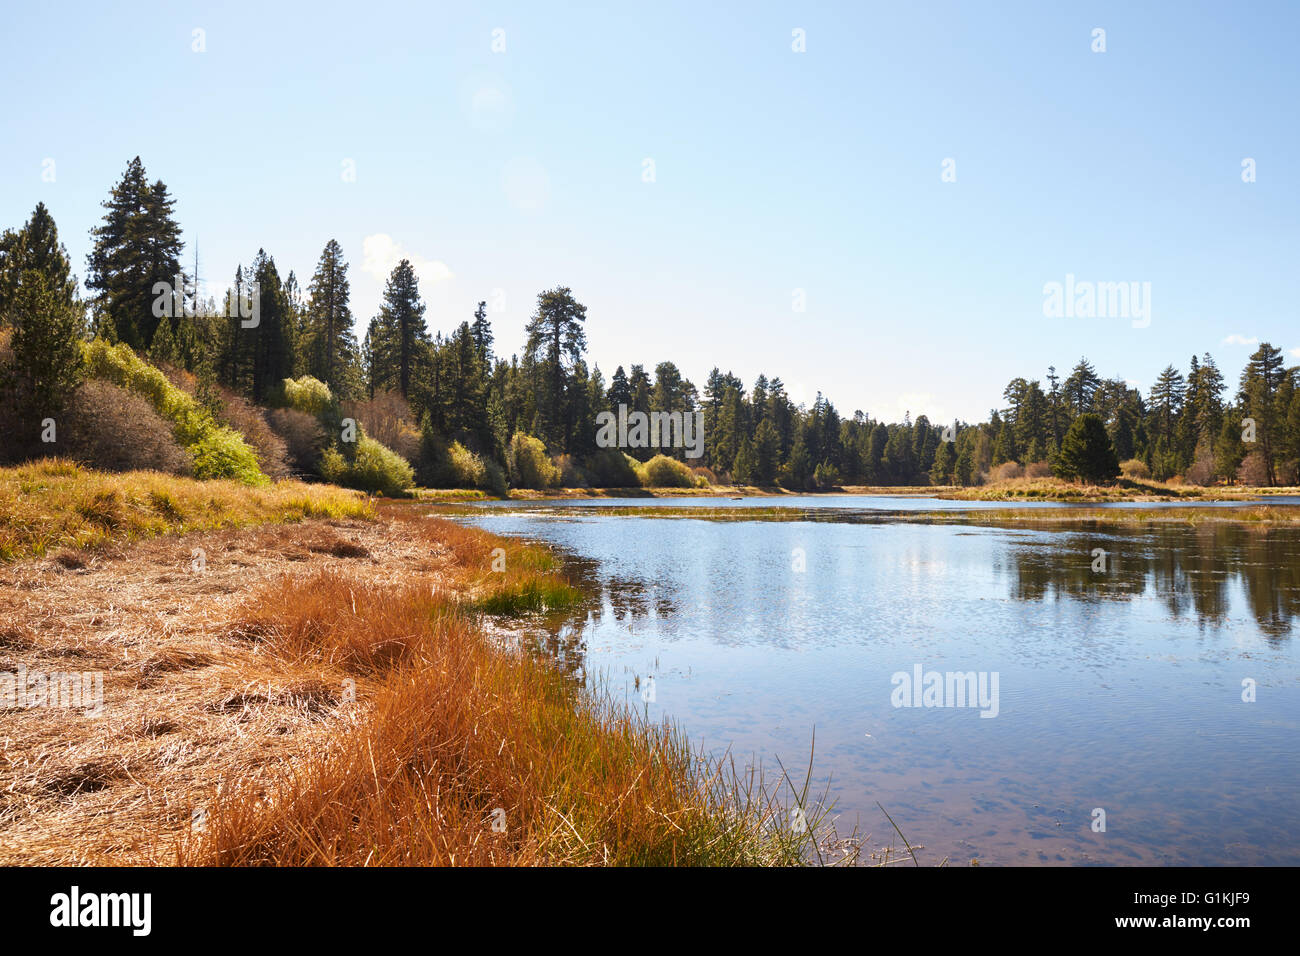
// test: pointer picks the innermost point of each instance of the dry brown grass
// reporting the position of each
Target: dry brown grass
(324, 692)
(470, 753)
(189, 704)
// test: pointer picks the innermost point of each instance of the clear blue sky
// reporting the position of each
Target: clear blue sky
(774, 171)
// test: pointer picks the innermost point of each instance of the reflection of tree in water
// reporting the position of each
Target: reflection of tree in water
(562, 636)
(1191, 568)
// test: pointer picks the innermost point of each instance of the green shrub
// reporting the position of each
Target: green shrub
(664, 472)
(307, 394)
(467, 470)
(222, 453)
(373, 468)
(611, 468)
(572, 475)
(529, 465)
(217, 451)
(494, 478)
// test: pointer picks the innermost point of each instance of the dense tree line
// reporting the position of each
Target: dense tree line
(452, 388)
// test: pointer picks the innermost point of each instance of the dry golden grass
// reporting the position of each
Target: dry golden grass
(330, 691)
(188, 703)
(56, 504)
(471, 753)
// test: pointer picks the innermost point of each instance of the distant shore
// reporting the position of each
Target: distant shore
(1015, 490)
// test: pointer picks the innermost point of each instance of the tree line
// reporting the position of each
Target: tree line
(454, 388)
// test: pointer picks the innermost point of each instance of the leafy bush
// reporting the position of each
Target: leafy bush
(611, 468)
(112, 429)
(1038, 469)
(528, 463)
(494, 478)
(372, 468)
(704, 476)
(303, 438)
(664, 472)
(1135, 468)
(572, 475)
(217, 451)
(250, 421)
(307, 394)
(466, 467)
(826, 476)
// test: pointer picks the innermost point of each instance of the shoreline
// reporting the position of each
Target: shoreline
(300, 696)
(1059, 493)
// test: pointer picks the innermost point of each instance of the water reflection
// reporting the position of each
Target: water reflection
(1120, 688)
(1191, 570)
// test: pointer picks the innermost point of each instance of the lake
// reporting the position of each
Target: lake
(1113, 661)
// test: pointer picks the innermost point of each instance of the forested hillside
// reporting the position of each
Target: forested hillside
(145, 372)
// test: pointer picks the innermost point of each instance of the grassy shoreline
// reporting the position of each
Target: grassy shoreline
(332, 688)
(1019, 489)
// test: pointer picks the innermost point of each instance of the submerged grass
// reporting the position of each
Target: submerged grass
(56, 504)
(470, 751)
(1260, 514)
(1124, 489)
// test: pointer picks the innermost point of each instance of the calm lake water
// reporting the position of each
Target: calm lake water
(1120, 690)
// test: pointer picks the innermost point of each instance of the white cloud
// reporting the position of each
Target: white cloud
(381, 253)
(1296, 352)
(1235, 339)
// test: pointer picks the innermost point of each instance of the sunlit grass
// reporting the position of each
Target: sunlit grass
(53, 504)
(473, 753)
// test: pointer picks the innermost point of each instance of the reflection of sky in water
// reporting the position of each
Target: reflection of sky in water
(1120, 691)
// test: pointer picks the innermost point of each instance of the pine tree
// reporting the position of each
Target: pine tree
(272, 338)
(38, 299)
(329, 347)
(1207, 406)
(1260, 380)
(402, 340)
(1229, 449)
(162, 350)
(35, 247)
(1167, 401)
(944, 461)
(1086, 452)
(482, 330)
(556, 342)
(46, 346)
(1004, 448)
(620, 393)
(766, 452)
(1080, 387)
(136, 249)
